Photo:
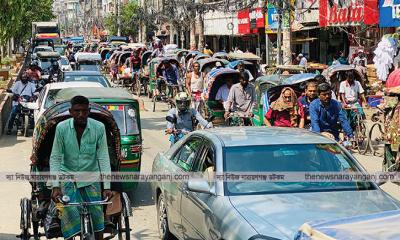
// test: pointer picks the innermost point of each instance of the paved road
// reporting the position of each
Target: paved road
(14, 156)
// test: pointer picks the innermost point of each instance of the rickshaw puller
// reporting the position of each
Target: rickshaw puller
(80, 145)
(170, 75)
(242, 97)
(326, 113)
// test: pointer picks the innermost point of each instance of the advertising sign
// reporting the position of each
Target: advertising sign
(272, 18)
(389, 13)
(348, 12)
(244, 21)
(256, 18)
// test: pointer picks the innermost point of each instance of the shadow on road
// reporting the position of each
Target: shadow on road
(11, 140)
(142, 196)
(8, 236)
(154, 123)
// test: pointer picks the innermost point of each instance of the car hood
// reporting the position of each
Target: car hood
(287, 212)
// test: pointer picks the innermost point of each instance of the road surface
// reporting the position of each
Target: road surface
(15, 152)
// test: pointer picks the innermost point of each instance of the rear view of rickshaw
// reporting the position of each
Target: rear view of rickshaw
(40, 212)
(391, 107)
(161, 90)
(214, 106)
(144, 73)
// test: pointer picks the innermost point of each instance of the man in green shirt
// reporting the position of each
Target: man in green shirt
(80, 145)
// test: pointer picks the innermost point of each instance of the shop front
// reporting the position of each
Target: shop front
(348, 27)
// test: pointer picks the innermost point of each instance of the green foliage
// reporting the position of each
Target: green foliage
(18, 15)
(6, 61)
(130, 20)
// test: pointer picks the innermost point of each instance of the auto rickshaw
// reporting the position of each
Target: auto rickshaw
(88, 62)
(125, 109)
(38, 210)
(214, 109)
(336, 74)
(48, 62)
(168, 92)
(262, 85)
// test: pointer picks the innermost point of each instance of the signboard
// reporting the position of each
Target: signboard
(348, 12)
(244, 21)
(256, 18)
(272, 18)
(389, 13)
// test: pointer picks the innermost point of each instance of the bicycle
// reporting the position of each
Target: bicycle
(376, 139)
(167, 94)
(359, 127)
(87, 231)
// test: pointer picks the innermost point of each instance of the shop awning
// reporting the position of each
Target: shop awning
(302, 40)
(305, 28)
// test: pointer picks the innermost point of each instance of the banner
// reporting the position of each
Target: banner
(256, 18)
(244, 21)
(272, 18)
(348, 12)
(389, 13)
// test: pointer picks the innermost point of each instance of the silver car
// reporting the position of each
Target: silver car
(214, 209)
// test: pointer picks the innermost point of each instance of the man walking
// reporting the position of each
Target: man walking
(80, 145)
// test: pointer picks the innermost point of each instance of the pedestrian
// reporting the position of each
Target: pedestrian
(302, 60)
(195, 84)
(207, 50)
(335, 61)
(360, 57)
(80, 145)
(285, 111)
(351, 91)
(327, 115)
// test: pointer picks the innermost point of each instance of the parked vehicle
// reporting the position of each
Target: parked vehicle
(85, 76)
(47, 95)
(213, 208)
(124, 108)
(34, 209)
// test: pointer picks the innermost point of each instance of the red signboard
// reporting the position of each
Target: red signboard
(348, 12)
(244, 21)
(257, 18)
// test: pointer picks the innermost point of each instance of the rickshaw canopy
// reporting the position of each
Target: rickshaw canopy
(298, 78)
(329, 72)
(192, 54)
(145, 57)
(201, 56)
(292, 69)
(217, 78)
(274, 79)
(243, 56)
(210, 62)
(95, 93)
(221, 55)
(234, 64)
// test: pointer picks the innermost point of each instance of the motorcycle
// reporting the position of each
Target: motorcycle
(24, 118)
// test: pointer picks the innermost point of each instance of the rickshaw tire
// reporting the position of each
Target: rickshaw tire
(35, 227)
(25, 218)
(26, 125)
(126, 231)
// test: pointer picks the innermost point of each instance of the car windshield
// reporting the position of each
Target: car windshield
(89, 78)
(125, 116)
(50, 100)
(313, 158)
(60, 50)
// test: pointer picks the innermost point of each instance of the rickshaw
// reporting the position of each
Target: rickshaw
(207, 64)
(124, 76)
(336, 74)
(125, 109)
(217, 78)
(181, 54)
(287, 69)
(247, 65)
(39, 211)
(201, 56)
(221, 55)
(144, 73)
(168, 92)
(190, 55)
(391, 132)
(88, 62)
(262, 85)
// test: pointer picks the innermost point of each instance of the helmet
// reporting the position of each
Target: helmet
(182, 101)
(34, 63)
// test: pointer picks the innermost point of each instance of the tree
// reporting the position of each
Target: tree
(130, 17)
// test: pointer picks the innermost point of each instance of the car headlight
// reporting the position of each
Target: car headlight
(262, 237)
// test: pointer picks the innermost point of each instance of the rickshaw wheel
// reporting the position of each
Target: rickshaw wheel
(138, 86)
(123, 228)
(35, 227)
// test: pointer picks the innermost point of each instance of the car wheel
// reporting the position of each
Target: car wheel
(162, 217)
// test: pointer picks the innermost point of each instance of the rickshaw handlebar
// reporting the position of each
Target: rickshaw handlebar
(67, 203)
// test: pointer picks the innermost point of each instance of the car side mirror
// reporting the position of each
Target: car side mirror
(200, 186)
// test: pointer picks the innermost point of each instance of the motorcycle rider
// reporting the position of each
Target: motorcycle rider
(20, 88)
(33, 72)
(184, 116)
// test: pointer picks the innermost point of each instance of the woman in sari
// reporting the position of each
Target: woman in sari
(285, 111)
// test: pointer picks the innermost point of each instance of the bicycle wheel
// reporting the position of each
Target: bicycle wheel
(376, 137)
(123, 228)
(360, 135)
(25, 220)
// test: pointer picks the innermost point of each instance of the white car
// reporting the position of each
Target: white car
(64, 64)
(46, 96)
(41, 49)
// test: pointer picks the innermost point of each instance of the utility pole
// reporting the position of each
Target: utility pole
(118, 17)
(279, 33)
(200, 26)
(287, 35)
